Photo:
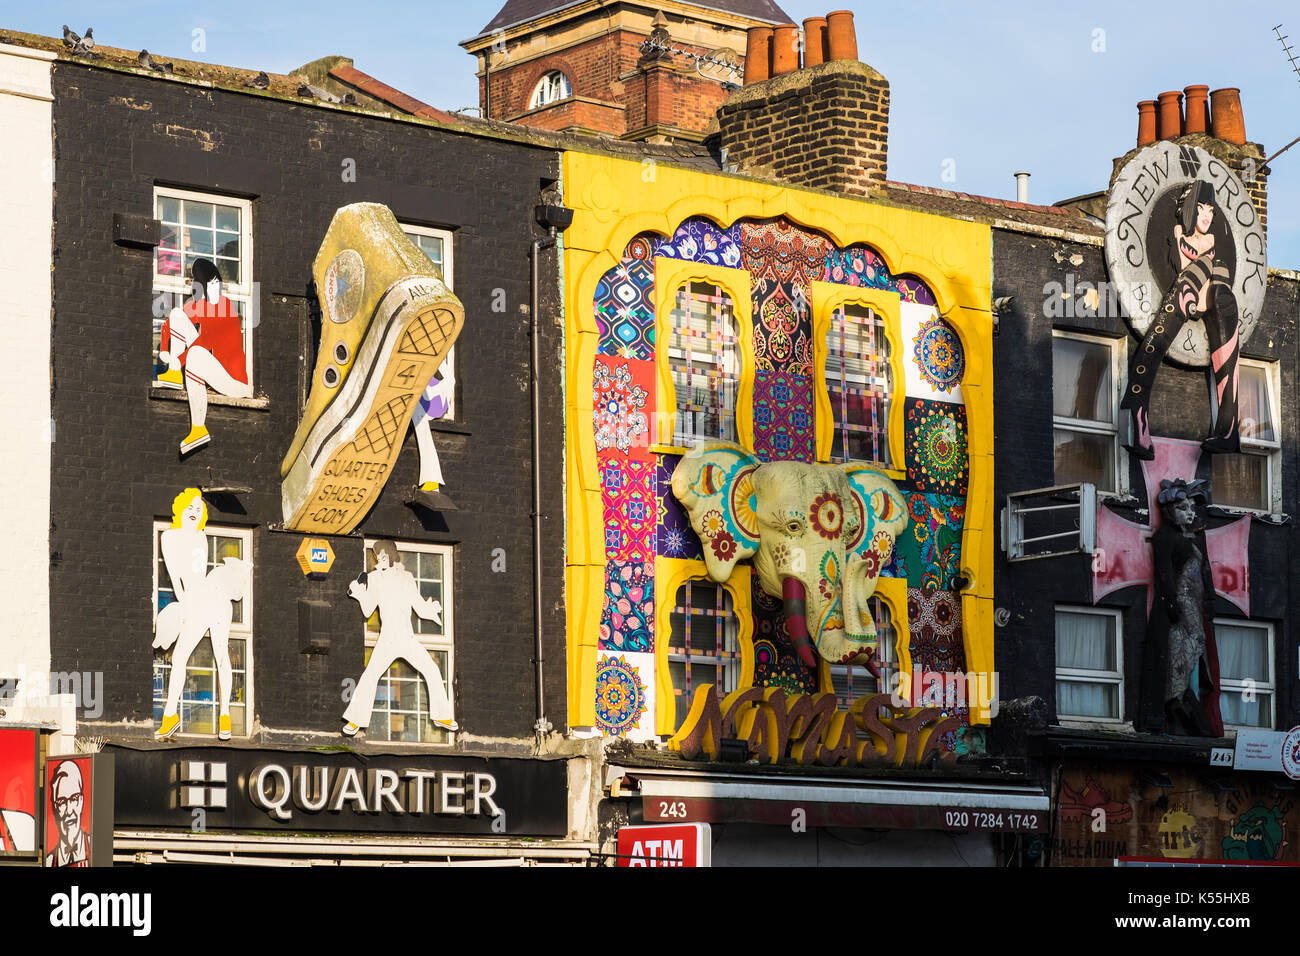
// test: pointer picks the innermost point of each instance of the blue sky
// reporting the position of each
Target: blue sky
(993, 87)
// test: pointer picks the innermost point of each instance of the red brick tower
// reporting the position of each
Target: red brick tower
(581, 65)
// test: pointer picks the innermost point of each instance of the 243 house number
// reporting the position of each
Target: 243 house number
(675, 809)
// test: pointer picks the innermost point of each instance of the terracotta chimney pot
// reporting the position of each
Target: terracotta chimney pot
(758, 55)
(814, 41)
(1170, 120)
(1146, 122)
(1225, 115)
(785, 49)
(1196, 109)
(842, 38)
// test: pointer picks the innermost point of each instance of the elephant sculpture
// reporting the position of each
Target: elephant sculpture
(819, 536)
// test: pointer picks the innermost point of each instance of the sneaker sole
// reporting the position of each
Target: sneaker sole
(350, 451)
(195, 445)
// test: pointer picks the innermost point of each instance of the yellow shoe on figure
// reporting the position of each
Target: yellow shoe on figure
(170, 724)
(350, 729)
(223, 727)
(197, 438)
(429, 486)
(171, 379)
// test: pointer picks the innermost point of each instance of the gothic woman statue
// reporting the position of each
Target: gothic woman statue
(1180, 665)
(1202, 291)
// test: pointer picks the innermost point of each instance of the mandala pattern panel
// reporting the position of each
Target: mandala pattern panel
(783, 334)
(928, 552)
(778, 250)
(623, 395)
(775, 661)
(624, 695)
(628, 618)
(858, 266)
(935, 446)
(933, 358)
(643, 247)
(676, 537)
(627, 491)
(783, 417)
(625, 314)
(934, 620)
(701, 240)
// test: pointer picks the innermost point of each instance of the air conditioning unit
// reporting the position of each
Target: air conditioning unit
(1050, 522)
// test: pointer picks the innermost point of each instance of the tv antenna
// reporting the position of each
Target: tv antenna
(1290, 55)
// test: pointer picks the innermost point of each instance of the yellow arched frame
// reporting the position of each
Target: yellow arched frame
(826, 299)
(612, 203)
(893, 591)
(670, 575)
(670, 276)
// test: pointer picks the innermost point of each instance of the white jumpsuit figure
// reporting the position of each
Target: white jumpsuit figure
(394, 591)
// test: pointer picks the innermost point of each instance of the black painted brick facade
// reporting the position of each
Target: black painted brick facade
(1025, 651)
(116, 466)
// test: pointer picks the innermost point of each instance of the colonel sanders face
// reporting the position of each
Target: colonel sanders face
(68, 801)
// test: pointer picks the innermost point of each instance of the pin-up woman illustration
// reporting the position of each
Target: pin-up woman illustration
(1202, 291)
(203, 347)
(203, 605)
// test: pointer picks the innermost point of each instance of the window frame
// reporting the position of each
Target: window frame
(1270, 451)
(1116, 347)
(178, 289)
(1086, 675)
(670, 275)
(1237, 686)
(545, 84)
(445, 642)
(721, 348)
(888, 663)
(448, 269)
(242, 631)
(729, 660)
(828, 298)
(839, 319)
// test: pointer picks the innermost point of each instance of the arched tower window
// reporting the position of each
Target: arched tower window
(551, 88)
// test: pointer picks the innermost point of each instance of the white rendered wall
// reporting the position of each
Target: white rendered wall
(27, 198)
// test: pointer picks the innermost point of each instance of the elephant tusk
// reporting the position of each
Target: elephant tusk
(792, 593)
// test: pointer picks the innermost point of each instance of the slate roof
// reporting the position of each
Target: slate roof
(520, 11)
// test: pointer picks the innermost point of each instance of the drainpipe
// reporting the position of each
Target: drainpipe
(555, 219)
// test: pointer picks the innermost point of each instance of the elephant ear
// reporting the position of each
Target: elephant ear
(715, 484)
(882, 507)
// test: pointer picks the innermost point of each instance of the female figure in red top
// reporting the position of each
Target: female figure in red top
(205, 341)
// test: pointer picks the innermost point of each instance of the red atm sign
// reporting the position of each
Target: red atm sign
(682, 844)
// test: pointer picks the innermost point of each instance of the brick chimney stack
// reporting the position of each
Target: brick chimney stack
(1212, 121)
(825, 125)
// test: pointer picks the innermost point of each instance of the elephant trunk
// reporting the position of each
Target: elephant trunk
(796, 620)
(857, 609)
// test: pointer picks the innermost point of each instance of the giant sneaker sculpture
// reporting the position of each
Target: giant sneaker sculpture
(387, 322)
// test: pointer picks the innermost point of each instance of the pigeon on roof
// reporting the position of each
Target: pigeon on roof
(149, 63)
(80, 46)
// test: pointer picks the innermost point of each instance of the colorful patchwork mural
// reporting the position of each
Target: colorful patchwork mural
(644, 522)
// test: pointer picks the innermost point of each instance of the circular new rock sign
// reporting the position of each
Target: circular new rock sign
(1142, 245)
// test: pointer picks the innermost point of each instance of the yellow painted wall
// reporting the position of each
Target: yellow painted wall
(614, 200)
